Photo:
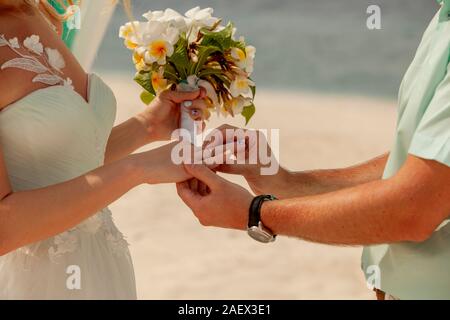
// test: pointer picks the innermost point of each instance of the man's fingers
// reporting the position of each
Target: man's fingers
(245, 140)
(204, 174)
(180, 96)
(219, 155)
(202, 189)
(193, 185)
(189, 197)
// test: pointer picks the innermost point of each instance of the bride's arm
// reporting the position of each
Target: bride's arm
(30, 216)
(155, 123)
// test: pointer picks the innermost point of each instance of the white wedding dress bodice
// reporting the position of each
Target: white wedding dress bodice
(50, 136)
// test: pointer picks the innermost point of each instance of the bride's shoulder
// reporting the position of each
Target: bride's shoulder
(19, 56)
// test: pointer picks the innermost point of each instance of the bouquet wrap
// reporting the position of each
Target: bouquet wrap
(194, 127)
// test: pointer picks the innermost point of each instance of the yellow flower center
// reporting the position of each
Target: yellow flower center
(127, 31)
(158, 82)
(242, 84)
(158, 48)
(241, 54)
(137, 58)
(130, 44)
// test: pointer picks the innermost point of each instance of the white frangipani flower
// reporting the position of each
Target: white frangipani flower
(200, 18)
(158, 82)
(55, 59)
(236, 105)
(158, 43)
(153, 15)
(128, 29)
(169, 17)
(33, 44)
(244, 60)
(241, 86)
(157, 51)
(131, 32)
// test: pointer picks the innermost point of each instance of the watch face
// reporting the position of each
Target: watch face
(260, 235)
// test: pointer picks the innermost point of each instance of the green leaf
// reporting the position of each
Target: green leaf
(210, 71)
(204, 52)
(222, 78)
(180, 58)
(147, 97)
(170, 73)
(248, 112)
(221, 39)
(145, 81)
(253, 88)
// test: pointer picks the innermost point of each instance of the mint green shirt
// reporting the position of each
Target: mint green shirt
(420, 270)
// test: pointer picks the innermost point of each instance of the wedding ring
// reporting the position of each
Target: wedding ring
(187, 103)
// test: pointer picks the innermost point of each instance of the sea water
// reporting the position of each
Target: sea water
(315, 45)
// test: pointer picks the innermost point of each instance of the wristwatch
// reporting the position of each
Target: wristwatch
(256, 229)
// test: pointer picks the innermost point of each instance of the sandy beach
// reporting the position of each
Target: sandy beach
(176, 258)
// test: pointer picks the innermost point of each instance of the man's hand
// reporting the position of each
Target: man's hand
(249, 151)
(407, 207)
(224, 205)
(287, 184)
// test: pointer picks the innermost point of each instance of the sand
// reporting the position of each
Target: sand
(176, 258)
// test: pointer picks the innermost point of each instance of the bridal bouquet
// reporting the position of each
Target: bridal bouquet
(192, 51)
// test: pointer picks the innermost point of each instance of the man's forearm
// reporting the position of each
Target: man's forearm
(288, 184)
(404, 208)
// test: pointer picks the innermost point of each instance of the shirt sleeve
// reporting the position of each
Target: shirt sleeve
(432, 137)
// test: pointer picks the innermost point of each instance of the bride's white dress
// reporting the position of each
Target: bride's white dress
(50, 136)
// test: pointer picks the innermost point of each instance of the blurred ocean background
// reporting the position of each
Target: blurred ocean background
(313, 45)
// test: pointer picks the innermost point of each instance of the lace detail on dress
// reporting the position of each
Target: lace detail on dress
(100, 224)
(34, 57)
(65, 242)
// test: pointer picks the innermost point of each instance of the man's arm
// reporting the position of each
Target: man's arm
(288, 184)
(406, 207)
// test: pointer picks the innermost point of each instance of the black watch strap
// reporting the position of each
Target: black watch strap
(254, 216)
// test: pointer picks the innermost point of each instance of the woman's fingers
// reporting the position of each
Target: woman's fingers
(196, 109)
(180, 96)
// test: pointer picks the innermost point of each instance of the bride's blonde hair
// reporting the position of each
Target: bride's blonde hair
(44, 6)
(51, 12)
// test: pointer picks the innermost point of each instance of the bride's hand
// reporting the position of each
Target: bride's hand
(162, 116)
(164, 165)
(157, 166)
